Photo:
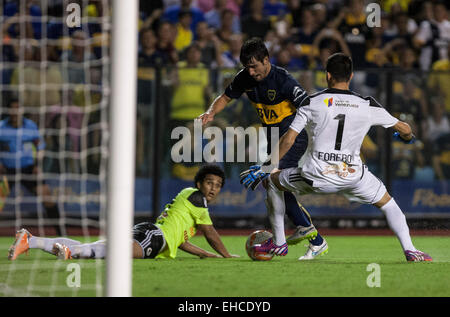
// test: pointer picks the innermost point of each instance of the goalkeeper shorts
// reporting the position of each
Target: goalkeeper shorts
(368, 189)
(150, 238)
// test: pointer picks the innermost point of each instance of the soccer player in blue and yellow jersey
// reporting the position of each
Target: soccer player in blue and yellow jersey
(275, 94)
(180, 220)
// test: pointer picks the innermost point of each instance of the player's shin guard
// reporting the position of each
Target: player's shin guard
(397, 222)
(276, 209)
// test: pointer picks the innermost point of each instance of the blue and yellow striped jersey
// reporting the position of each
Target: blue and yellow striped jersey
(275, 98)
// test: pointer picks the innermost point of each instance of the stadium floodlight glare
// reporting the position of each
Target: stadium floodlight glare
(122, 147)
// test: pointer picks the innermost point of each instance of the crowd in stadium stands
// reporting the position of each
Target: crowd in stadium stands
(198, 43)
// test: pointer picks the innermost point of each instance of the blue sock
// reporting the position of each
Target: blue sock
(298, 216)
(294, 212)
(318, 240)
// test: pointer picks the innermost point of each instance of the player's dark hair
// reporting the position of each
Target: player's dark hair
(253, 48)
(10, 100)
(209, 169)
(340, 67)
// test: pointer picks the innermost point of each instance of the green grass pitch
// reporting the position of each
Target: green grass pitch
(342, 272)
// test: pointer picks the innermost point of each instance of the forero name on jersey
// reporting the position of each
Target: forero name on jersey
(337, 157)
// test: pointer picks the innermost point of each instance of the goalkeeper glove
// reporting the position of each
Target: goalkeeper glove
(253, 177)
(399, 138)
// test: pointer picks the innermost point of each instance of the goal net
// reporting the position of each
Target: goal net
(54, 139)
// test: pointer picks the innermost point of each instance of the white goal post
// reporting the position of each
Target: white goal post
(120, 202)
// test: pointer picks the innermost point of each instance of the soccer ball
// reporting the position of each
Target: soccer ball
(258, 237)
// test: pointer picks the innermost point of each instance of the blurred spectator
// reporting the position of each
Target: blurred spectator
(405, 157)
(439, 79)
(289, 56)
(41, 85)
(379, 40)
(231, 58)
(351, 22)
(210, 45)
(390, 6)
(169, 3)
(437, 122)
(225, 31)
(275, 10)
(441, 158)
(191, 97)
(320, 13)
(327, 42)
(255, 24)
(91, 98)
(21, 151)
(8, 50)
(272, 42)
(76, 60)
(433, 36)
(305, 36)
(149, 55)
(409, 99)
(403, 26)
(97, 30)
(76, 66)
(282, 58)
(166, 36)
(370, 153)
(29, 76)
(214, 16)
(293, 16)
(172, 13)
(192, 90)
(151, 12)
(208, 5)
(32, 29)
(408, 59)
(184, 34)
(205, 5)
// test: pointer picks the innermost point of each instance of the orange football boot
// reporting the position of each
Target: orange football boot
(20, 245)
(62, 251)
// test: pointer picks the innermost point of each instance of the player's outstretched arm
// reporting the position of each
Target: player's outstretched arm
(217, 106)
(285, 143)
(214, 240)
(195, 250)
(404, 131)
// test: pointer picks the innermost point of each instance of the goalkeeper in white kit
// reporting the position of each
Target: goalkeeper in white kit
(337, 120)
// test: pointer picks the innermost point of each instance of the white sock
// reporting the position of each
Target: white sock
(46, 244)
(397, 222)
(96, 250)
(276, 210)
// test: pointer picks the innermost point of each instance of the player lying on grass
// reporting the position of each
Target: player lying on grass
(179, 222)
(337, 120)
